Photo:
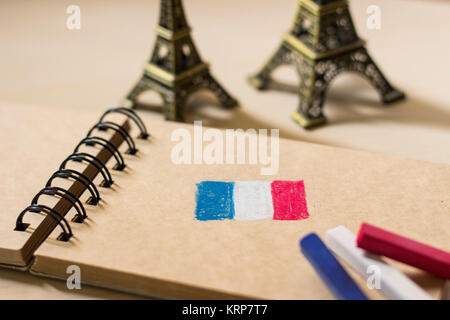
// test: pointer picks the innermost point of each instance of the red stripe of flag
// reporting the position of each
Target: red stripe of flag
(289, 200)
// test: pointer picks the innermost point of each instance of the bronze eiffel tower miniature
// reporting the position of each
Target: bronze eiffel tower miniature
(321, 44)
(175, 69)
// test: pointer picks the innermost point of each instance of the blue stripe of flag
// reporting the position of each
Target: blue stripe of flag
(214, 200)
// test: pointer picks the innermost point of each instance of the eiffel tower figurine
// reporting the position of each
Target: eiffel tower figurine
(175, 69)
(321, 44)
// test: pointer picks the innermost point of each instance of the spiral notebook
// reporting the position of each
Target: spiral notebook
(75, 191)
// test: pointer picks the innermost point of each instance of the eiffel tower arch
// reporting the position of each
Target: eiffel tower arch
(175, 69)
(321, 44)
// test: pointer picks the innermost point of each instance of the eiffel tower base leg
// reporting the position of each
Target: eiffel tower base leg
(208, 82)
(142, 85)
(175, 97)
(262, 78)
(316, 76)
(312, 97)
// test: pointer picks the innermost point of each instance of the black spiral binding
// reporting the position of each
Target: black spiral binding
(93, 140)
(105, 125)
(100, 166)
(78, 176)
(132, 116)
(67, 231)
(77, 156)
(67, 195)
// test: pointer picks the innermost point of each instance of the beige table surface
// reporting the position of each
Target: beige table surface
(44, 63)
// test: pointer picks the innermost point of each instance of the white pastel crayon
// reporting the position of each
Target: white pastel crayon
(393, 284)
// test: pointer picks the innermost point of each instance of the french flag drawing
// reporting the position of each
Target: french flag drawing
(251, 200)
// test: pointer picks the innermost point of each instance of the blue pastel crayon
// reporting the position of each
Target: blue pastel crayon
(329, 269)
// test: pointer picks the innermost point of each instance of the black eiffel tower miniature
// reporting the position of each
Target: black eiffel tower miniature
(323, 43)
(175, 69)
